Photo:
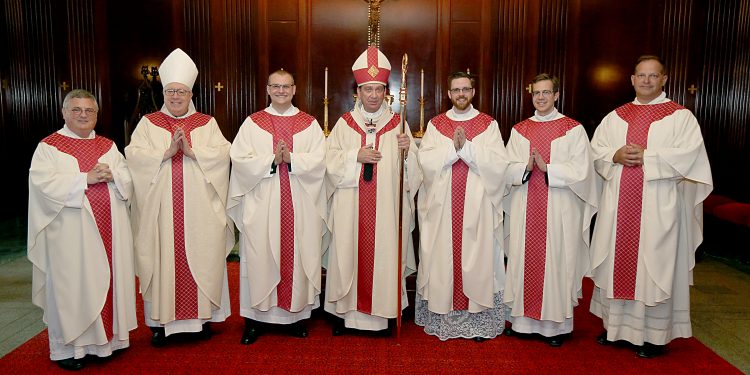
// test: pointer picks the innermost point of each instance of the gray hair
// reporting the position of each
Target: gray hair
(79, 94)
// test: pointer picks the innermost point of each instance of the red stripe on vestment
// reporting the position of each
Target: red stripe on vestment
(368, 196)
(88, 152)
(459, 175)
(630, 197)
(284, 128)
(186, 288)
(540, 136)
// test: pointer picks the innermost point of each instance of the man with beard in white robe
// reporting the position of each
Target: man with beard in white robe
(652, 159)
(461, 268)
(549, 210)
(277, 201)
(79, 235)
(362, 169)
(180, 165)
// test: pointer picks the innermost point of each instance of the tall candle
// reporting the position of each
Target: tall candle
(421, 87)
(325, 92)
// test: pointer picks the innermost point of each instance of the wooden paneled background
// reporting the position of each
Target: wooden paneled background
(51, 46)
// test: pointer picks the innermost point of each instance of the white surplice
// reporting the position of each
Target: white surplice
(677, 178)
(343, 176)
(482, 266)
(572, 200)
(67, 252)
(254, 201)
(209, 235)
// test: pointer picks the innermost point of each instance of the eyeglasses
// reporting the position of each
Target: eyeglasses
(79, 111)
(178, 92)
(464, 90)
(544, 93)
(276, 86)
(643, 76)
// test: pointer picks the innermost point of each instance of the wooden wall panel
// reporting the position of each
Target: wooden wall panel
(722, 101)
(33, 95)
(610, 44)
(336, 41)
(552, 47)
(283, 39)
(198, 44)
(282, 55)
(590, 44)
(161, 30)
(51, 48)
(676, 49)
(510, 59)
(238, 78)
(88, 59)
(469, 45)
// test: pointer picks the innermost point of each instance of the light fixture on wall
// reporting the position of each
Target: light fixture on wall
(607, 76)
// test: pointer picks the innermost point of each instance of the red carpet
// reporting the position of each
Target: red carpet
(416, 353)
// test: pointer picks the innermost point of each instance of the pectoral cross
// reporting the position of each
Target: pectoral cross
(218, 86)
(692, 89)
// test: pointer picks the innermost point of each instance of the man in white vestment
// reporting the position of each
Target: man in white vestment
(549, 210)
(461, 267)
(79, 238)
(363, 161)
(651, 157)
(277, 200)
(180, 165)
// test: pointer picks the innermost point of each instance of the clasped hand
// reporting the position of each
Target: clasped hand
(630, 155)
(368, 154)
(100, 173)
(459, 138)
(282, 154)
(536, 159)
(179, 143)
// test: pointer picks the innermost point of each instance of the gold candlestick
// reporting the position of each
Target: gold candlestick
(420, 133)
(326, 132)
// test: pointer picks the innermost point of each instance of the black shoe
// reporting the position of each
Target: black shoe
(649, 350)
(298, 330)
(508, 331)
(251, 333)
(206, 331)
(159, 338)
(339, 327)
(555, 341)
(479, 339)
(70, 364)
(602, 339)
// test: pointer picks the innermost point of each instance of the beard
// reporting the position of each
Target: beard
(461, 105)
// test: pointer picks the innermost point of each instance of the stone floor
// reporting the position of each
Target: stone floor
(720, 301)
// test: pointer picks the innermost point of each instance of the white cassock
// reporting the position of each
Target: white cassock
(676, 178)
(461, 270)
(544, 282)
(182, 231)
(71, 275)
(367, 302)
(279, 281)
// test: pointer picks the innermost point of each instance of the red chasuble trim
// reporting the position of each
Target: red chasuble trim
(540, 136)
(284, 128)
(186, 289)
(368, 196)
(630, 199)
(88, 152)
(459, 175)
